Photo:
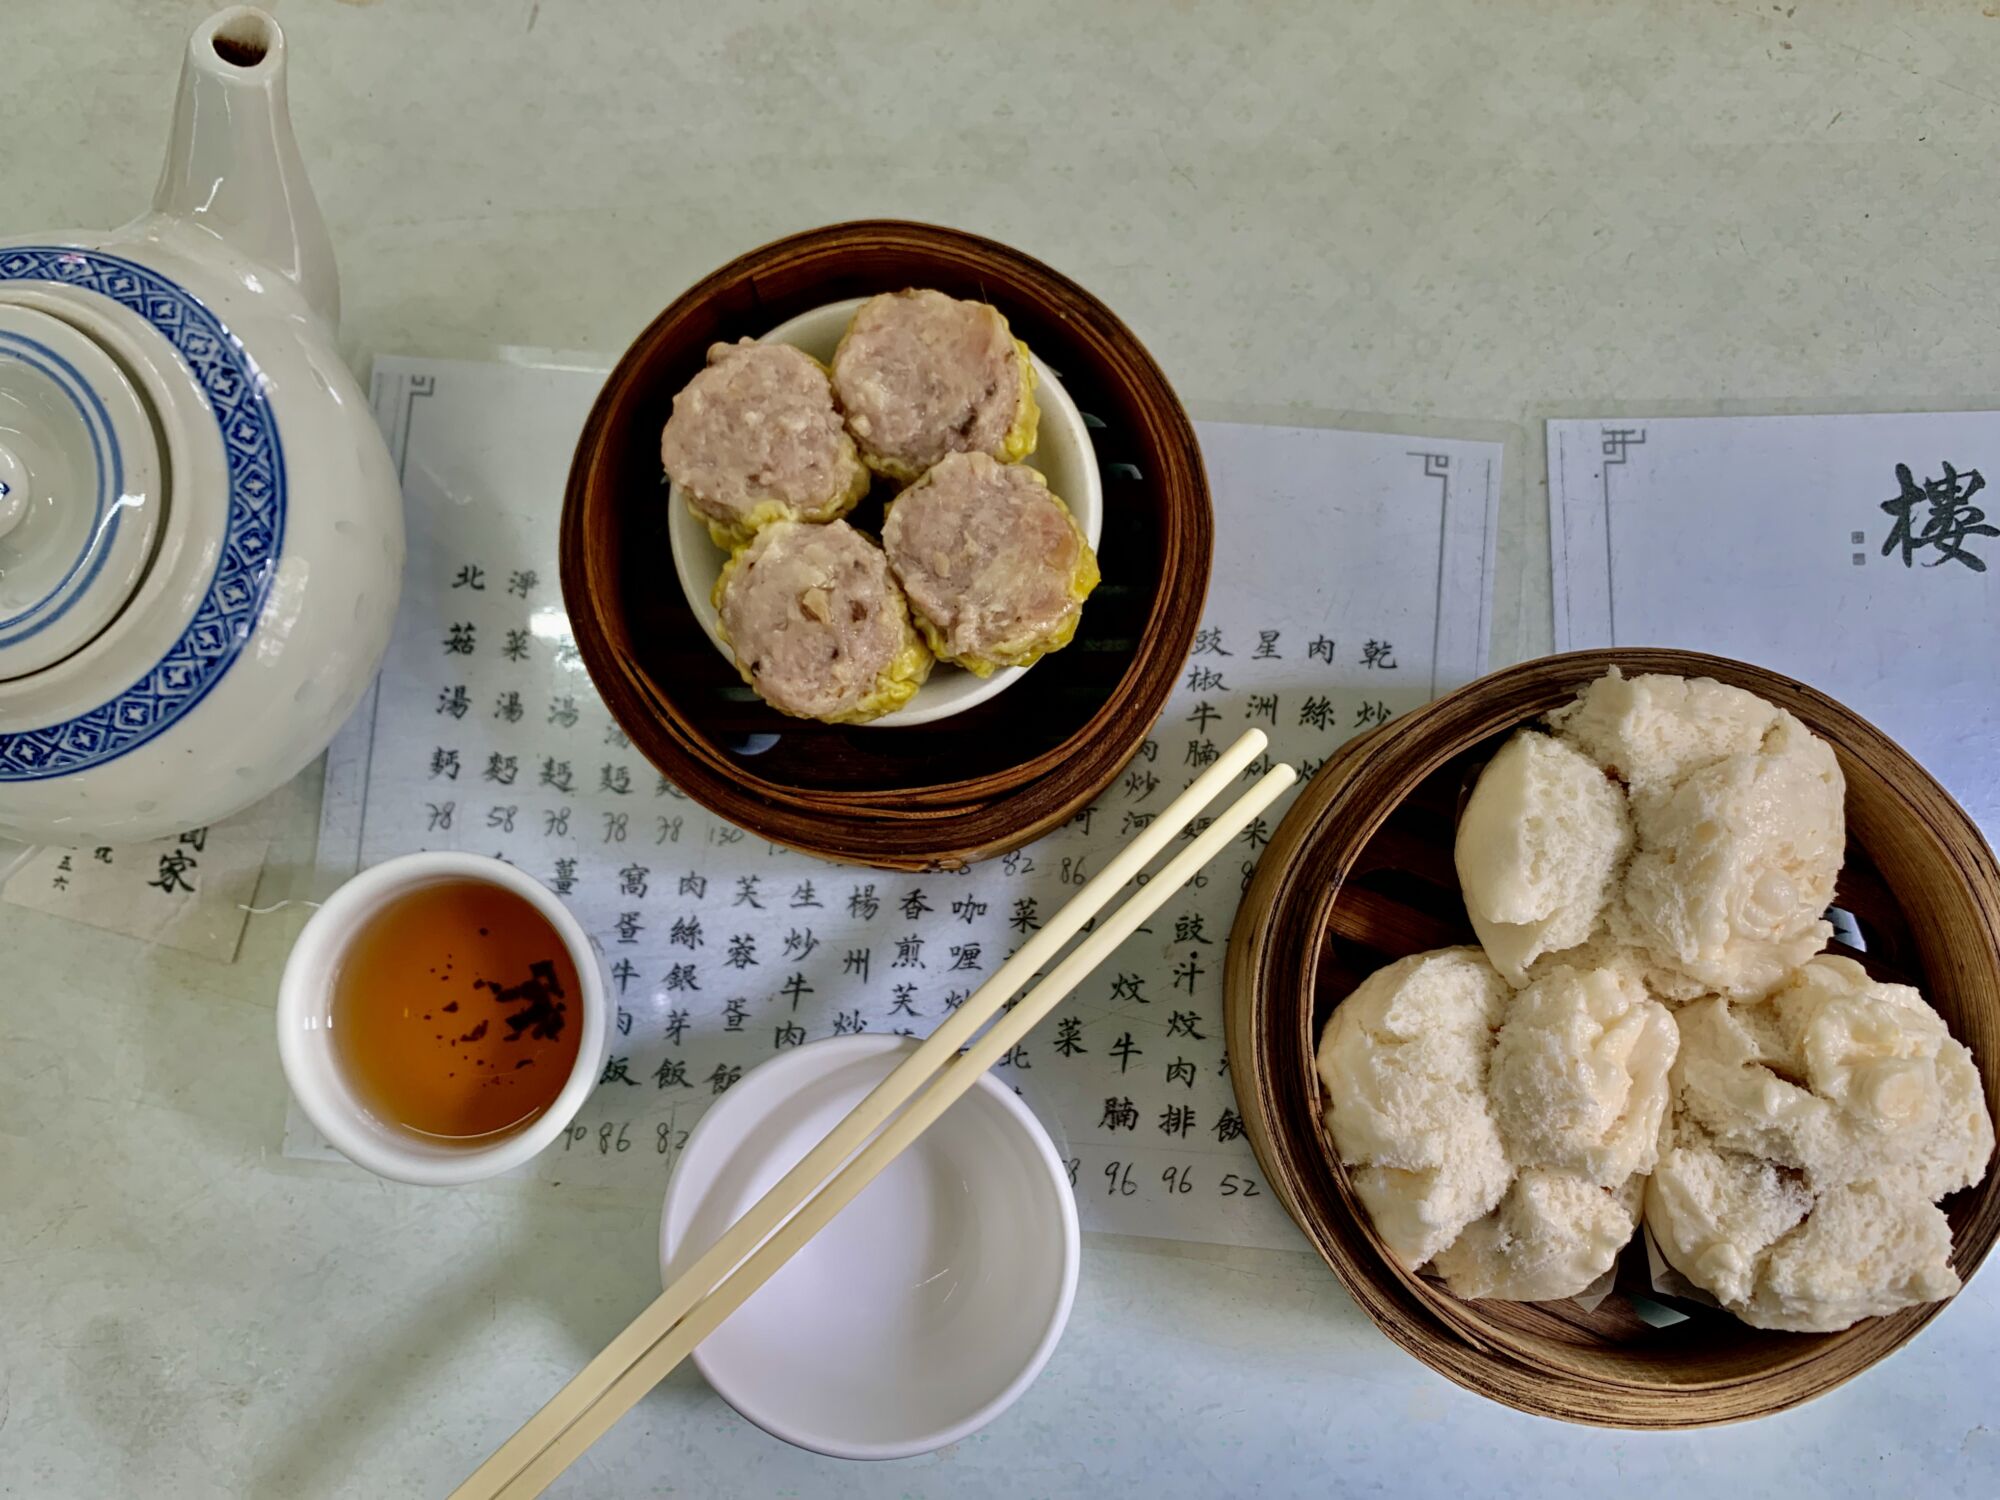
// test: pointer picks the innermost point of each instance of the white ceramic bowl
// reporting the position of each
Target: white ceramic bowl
(305, 1036)
(930, 1302)
(1063, 453)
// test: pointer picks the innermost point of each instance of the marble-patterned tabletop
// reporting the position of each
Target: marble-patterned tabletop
(1366, 213)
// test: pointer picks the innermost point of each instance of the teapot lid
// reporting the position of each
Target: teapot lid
(81, 489)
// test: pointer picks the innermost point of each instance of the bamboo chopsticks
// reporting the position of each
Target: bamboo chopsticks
(798, 1206)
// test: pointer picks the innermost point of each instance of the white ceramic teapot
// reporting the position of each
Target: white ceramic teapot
(201, 533)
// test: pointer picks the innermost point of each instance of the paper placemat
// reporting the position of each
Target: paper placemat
(1352, 579)
(190, 891)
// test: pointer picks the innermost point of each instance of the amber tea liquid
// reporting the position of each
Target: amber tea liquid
(456, 1011)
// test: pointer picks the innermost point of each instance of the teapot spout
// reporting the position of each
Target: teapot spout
(233, 169)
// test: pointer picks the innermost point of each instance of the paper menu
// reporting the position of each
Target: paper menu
(1853, 552)
(1351, 583)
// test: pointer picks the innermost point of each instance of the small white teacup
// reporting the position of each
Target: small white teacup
(313, 1067)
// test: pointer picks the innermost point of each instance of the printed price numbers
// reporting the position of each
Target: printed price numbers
(1176, 1180)
(615, 1136)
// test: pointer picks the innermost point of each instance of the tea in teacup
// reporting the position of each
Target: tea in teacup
(456, 1011)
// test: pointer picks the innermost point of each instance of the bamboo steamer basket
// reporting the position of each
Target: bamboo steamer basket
(1360, 873)
(927, 796)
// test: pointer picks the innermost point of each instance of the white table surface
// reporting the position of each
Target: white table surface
(1307, 211)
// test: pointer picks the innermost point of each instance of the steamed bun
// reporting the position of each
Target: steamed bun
(1866, 1249)
(1656, 728)
(1714, 1214)
(1906, 1091)
(1813, 1132)
(1838, 1077)
(1778, 1256)
(1579, 1075)
(1403, 1063)
(1739, 1077)
(1735, 864)
(1497, 1136)
(1552, 1235)
(1538, 850)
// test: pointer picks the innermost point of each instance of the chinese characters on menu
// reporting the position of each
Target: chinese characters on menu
(722, 950)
